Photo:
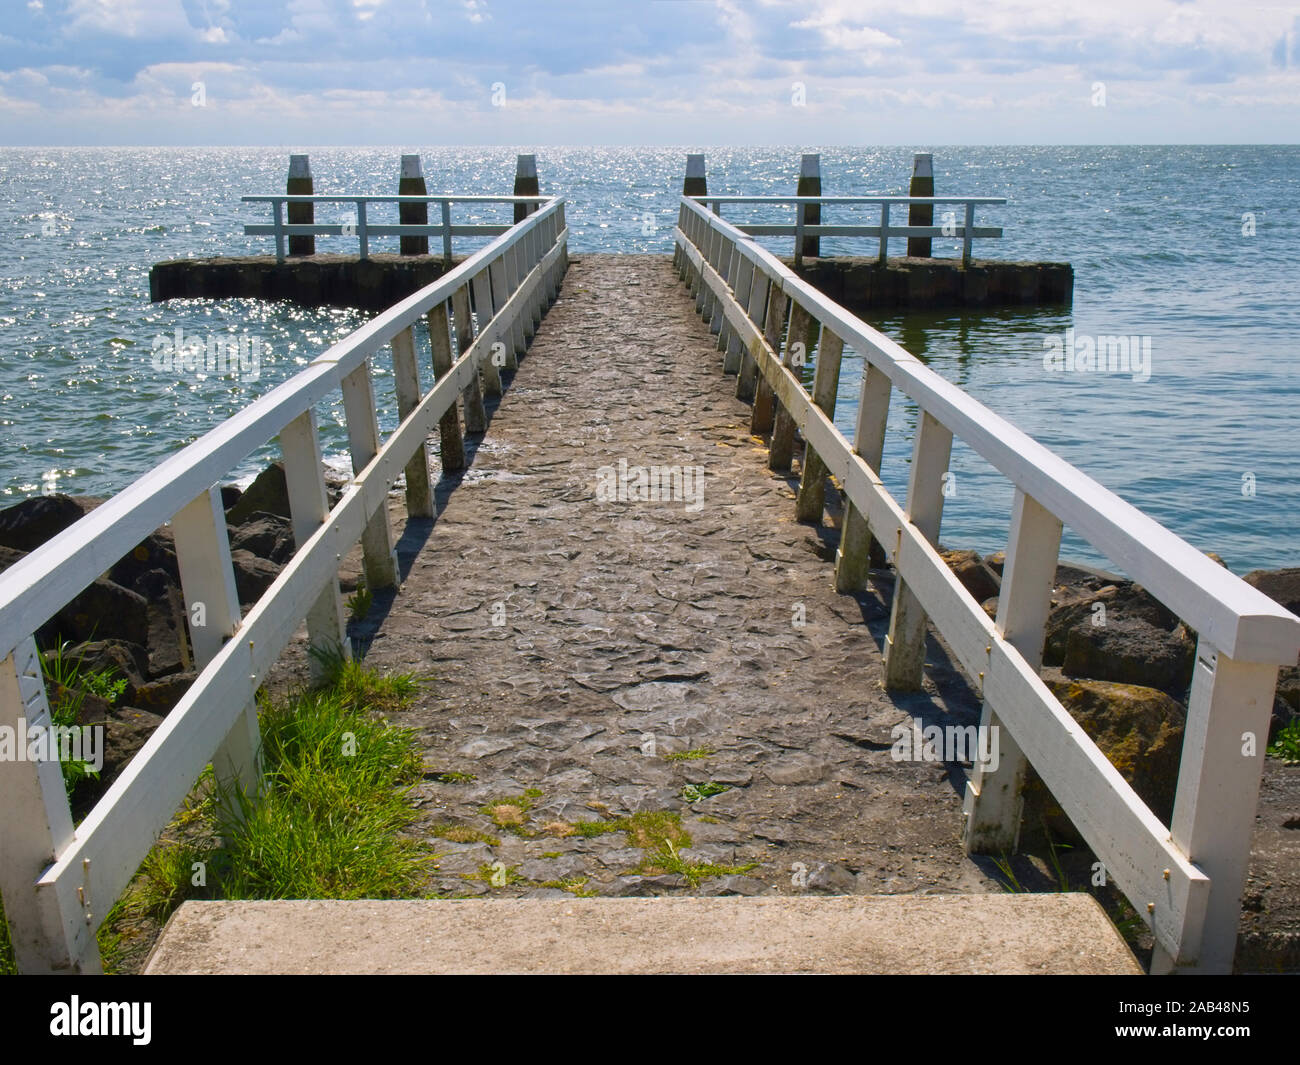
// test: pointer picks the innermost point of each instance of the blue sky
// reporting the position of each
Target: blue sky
(283, 72)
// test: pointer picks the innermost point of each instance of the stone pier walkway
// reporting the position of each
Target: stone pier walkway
(595, 660)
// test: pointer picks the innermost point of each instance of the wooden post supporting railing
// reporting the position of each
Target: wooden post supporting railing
(905, 644)
(46, 936)
(853, 558)
(802, 331)
(475, 415)
(406, 379)
(453, 442)
(411, 183)
(777, 302)
(379, 556)
(746, 377)
(309, 509)
(993, 802)
(481, 289)
(744, 276)
(299, 183)
(208, 582)
(808, 214)
(1224, 743)
(525, 185)
(826, 382)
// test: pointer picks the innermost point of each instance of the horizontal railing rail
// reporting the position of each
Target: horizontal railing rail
(1184, 880)
(966, 231)
(363, 229)
(58, 883)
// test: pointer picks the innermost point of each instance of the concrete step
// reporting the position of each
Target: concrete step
(1063, 933)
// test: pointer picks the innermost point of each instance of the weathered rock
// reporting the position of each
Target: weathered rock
(1140, 730)
(168, 641)
(116, 658)
(140, 567)
(160, 696)
(266, 536)
(1075, 610)
(253, 575)
(1286, 702)
(832, 878)
(1129, 650)
(230, 495)
(27, 525)
(1280, 585)
(268, 494)
(734, 884)
(103, 611)
(974, 573)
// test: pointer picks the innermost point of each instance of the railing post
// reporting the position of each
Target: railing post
(446, 232)
(525, 185)
(406, 379)
(208, 583)
(905, 644)
(1218, 791)
(853, 558)
(363, 233)
(380, 559)
(883, 255)
(802, 330)
(411, 183)
(481, 288)
(968, 234)
(35, 829)
(514, 278)
(993, 802)
(501, 290)
(277, 219)
(696, 182)
(761, 417)
(729, 275)
(304, 478)
(742, 287)
(810, 184)
(921, 214)
(826, 382)
(299, 183)
(749, 381)
(453, 443)
(475, 415)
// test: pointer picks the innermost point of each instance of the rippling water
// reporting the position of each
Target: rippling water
(1154, 233)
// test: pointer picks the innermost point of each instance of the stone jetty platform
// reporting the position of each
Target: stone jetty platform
(601, 659)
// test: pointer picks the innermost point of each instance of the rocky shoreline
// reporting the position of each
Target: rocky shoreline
(1118, 660)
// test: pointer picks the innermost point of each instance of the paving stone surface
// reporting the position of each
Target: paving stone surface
(577, 644)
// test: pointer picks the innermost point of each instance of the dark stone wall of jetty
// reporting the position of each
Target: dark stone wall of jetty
(371, 284)
(917, 284)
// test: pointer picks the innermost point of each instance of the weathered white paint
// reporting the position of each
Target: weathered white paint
(905, 644)
(993, 799)
(1157, 870)
(406, 381)
(77, 876)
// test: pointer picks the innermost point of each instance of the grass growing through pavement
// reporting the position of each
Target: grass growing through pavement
(329, 822)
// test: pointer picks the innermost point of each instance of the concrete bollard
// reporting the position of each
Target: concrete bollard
(695, 184)
(411, 183)
(525, 185)
(810, 184)
(921, 214)
(300, 214)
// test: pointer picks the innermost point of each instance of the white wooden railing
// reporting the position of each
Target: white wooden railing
(58, 882)
(966, 231)
(1184, 879)
(363, 229)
